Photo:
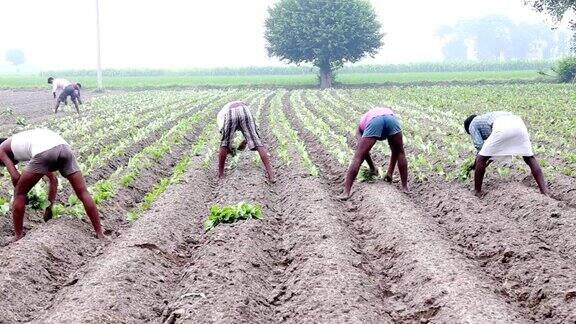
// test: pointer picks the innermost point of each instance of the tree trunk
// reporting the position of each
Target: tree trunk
(325, 78)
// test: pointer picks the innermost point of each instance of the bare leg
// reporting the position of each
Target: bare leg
(77, 181)
(537, 173)
(365, 144)
(52, 192)
(479, 171)
(396, 143)
(263, 152)
(222, 160)
(27, 181)
(75, 102)
(393, 160)
(57, 106)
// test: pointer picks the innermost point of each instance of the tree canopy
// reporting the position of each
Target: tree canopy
(324, 33)
(557, 9)
(15, 56)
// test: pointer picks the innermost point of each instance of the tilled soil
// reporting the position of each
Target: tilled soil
(438, 255)
(33, 106)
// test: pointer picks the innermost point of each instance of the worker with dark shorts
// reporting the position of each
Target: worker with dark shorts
(46, 152)
(72, 91)
(236, 116)
(378, 124)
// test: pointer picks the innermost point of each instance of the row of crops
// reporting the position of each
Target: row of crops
(123, 138)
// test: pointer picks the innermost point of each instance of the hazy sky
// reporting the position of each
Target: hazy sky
(60, 34)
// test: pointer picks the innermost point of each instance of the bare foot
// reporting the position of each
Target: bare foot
(271, 180)
(103, 238)
(13, 239)
(406, 190)
(344, 196)
(478, 194)
(388, 178)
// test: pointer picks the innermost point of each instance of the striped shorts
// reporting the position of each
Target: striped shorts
(240, 118)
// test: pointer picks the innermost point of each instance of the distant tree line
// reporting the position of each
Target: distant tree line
(499, 38)
(557, 9)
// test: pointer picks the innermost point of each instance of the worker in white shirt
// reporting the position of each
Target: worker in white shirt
(58, 85)
(45, 152)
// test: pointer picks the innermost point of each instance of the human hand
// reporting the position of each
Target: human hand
(48, 214)
(15, 180)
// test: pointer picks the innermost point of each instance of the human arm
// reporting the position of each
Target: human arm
(52, 192)
(54, 88)
(242, 145)
(78, 96)
(52, 187)
(367, 157)
(7, 161)
(476, 137)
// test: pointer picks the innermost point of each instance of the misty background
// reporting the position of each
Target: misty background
(171, 34)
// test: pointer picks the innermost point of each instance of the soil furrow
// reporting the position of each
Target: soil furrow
(523, 232)
(391, 246)
(79, 243)
(134, 277)
(229, 272)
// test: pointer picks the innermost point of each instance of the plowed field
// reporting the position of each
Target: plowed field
(437, 255)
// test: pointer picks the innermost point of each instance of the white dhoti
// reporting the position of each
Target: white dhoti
(509, 137)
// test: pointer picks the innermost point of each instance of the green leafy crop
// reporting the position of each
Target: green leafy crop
(465, 169)
(366, 175)
(231, 214)
(37, 198)
(4, 206)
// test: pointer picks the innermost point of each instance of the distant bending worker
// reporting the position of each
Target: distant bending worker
(45, 152)
(237, 116)
(58, 85)
(498, 134)
(378, 124)
(72, 91)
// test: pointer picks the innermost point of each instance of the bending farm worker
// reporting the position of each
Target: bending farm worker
(58, 85)
(72, 91)
(46, 152)
(498, 134)
(378, 124)
(237, 116)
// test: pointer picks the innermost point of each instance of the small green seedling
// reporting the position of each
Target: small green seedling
(58, 210)
(4, 206)
(231, 214)
(365, 175)
(465, 169)
(37, 198)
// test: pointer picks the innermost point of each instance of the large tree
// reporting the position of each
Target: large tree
(15, 56)
(557, 9)
(326, 33)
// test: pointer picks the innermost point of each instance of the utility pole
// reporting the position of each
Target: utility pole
(98, 64)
